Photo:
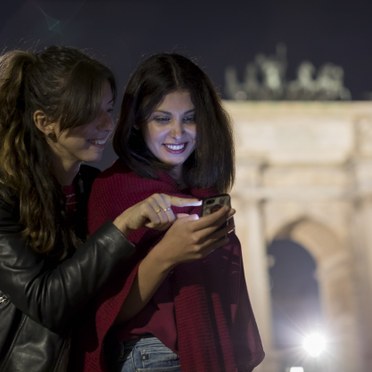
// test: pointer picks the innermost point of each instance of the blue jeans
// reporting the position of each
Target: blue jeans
(147, 354)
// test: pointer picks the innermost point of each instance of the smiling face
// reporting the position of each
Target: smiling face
(170, 131)
(85, 143)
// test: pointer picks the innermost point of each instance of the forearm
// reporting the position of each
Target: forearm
(34, 289)
(188, 239)
(152, 271)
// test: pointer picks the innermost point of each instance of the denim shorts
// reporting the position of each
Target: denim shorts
(147, 354)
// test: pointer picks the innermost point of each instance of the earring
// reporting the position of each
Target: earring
(52, 136)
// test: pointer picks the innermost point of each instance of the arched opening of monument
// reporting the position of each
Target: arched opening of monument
(298, 323)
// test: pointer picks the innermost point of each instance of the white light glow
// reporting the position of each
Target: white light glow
(296, 369)
(314, 344)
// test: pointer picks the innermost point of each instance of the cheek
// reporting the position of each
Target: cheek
(192, 133)
(152, 136)
(149, 139)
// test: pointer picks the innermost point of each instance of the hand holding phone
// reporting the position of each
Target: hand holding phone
(213, 203)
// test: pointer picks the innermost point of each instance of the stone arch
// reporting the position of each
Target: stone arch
(295, 301)
(336, 284)
(319, 239)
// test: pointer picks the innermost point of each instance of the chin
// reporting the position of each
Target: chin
(175, 162)
(92, 158)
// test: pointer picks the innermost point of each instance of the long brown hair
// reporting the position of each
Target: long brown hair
(66, 84)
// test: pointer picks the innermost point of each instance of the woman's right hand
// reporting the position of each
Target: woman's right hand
(154, 212)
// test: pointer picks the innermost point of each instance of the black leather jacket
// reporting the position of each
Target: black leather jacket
(40, 302)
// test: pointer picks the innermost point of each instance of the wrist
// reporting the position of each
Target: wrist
(122, 225)
(160, 260)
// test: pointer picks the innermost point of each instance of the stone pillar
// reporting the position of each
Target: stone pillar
(250, 230)
(336, 275)
(362, 250)
(361, 233)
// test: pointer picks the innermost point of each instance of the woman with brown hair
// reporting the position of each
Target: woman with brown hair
(173, 137)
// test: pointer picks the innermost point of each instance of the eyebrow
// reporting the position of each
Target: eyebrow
(169, 113)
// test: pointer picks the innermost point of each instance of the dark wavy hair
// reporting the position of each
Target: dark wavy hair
(212, 162)
(66, 84)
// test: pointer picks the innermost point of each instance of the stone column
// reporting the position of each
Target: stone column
(361, 233)
(250, 230)
(343, 353)
(362, 250)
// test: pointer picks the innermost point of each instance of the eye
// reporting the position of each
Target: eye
(161, 119)
(189, 119)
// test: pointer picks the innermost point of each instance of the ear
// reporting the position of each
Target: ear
(42, 123)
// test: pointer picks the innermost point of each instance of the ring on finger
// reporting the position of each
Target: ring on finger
(158, 210)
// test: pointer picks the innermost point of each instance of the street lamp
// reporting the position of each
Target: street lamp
(296, 369)
(314, 344)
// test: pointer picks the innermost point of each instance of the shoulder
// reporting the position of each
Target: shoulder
(118, 172)
(116, 184)
(118, 167)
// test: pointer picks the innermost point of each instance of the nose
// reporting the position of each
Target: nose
(177, 129)
(107, 122)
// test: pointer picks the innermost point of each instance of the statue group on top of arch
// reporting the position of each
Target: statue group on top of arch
(265, 79)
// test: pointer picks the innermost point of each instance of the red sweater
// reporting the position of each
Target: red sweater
(202, 311)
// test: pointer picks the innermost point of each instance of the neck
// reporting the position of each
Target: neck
(176, 174)
(65, 174)
(65, 168)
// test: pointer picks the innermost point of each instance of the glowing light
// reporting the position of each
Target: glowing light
(296, 369)
(315, 344)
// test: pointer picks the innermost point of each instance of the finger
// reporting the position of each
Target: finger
(213, 243)
(214, 219)
(158, 219)
(164, 211)
(184, 202)
(158, 226)
(230, 224)
(161, 208)
(152, 203)
(189, 217)
(163, 204)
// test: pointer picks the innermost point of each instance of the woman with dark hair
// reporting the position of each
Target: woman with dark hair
(56, 114)
(173, 136)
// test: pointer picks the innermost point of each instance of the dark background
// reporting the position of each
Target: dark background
(217, 33)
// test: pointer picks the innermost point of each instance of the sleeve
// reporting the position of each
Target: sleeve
(53, 296)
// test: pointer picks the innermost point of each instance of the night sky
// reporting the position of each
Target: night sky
(217, 34)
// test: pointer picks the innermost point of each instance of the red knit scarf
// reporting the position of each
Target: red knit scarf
(216, 328)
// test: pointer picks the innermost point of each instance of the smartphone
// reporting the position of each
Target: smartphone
(213, 203)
